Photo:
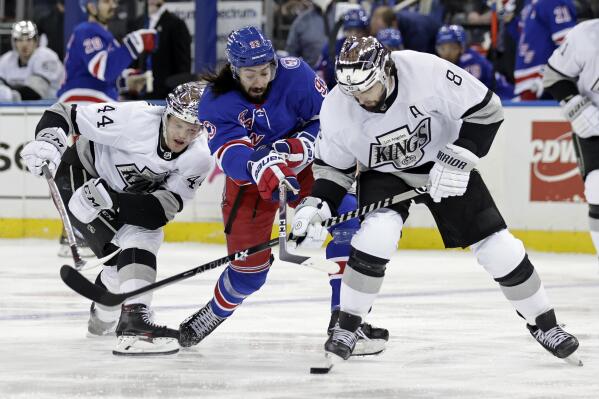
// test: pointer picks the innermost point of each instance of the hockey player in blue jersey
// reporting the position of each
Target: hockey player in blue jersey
(95, 59)
(451, 46)
(261, 114)
(390, 38)
(544, 25)
(355, 23)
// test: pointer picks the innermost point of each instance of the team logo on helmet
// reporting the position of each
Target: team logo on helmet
(290, 62)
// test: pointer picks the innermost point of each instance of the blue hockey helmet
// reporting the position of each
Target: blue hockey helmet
(451, 34)
(247, 47)
(390, 38)
(83, 4)
(356, 18)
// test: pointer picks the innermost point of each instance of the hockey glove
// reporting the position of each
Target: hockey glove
(296, 151)
(89, 199)
(583, 116)
(451, 172)
(307, 231)
(48, 147)
(141, 40)
(268, 170)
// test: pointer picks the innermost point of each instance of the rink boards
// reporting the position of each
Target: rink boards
(531, 171)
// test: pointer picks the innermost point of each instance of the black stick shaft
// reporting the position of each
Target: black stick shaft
(62, 210)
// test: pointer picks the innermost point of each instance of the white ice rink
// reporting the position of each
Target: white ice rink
(453, 335)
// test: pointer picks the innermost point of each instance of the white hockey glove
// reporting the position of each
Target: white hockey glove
(307, 231)
(583, 116)
(451, 172)
(89, 199)
(48, 146)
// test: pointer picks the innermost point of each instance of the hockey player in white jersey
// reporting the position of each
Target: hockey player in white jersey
(408, 119)
(29, 72)
(132, 169)
(571, 78)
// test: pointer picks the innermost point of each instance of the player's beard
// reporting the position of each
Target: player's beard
(257, 98)
(377, 107)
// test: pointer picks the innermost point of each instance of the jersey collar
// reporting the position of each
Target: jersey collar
(164, 153)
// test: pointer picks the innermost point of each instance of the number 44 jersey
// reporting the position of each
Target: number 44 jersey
(430, 101)
(121, 142)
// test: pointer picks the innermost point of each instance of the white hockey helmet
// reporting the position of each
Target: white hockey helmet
(24, 30)
(361, 63)
(183, 102)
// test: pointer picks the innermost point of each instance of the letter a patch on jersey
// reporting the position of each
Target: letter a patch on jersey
(401, 147)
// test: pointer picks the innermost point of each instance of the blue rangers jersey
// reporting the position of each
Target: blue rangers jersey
(482, 69)
(544, 25)
(94, 61)
(236, 126)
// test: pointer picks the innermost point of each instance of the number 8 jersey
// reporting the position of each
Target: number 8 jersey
(433, 103)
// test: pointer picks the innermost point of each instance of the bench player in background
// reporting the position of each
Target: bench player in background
(543, 25)
(571, 77)
(29, 72)
(95, 59)
(261, 114)
(130, 172)
(411, 119)
(451, 46)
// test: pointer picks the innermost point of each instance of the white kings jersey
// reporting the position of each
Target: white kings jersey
(578, 58)
(433, 96)
(122, 142)
(43, 63)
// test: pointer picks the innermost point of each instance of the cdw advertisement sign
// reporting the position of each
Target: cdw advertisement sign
(554, 173)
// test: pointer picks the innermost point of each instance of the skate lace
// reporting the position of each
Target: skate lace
(147, 317)
(204, 321)
(553, 337)
(345, 337)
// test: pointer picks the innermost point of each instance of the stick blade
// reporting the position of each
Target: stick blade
(78, 283)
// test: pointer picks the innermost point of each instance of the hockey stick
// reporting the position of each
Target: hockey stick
(286, 256)
(78, 283)
(80, 264)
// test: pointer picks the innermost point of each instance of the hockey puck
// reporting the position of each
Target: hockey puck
(320, 370)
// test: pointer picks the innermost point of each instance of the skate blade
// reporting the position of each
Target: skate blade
(324, 366)
(142, 346)
(573, 360)
(367, 347)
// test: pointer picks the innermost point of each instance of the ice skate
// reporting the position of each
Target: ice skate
(138, 335)
(197, 326)
(341, 343)
(371, 340)
(554, 339)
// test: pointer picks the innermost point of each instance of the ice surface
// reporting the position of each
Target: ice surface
(453, 335)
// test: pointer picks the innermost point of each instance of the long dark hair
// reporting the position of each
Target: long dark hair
(221, 82)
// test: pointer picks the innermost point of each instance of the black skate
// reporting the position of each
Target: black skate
(197, 326)
(553, 338)
(138, 335)
(341, 343)
(371, 340)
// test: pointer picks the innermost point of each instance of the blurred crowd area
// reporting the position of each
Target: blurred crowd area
(485, 37)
